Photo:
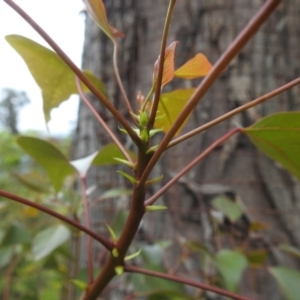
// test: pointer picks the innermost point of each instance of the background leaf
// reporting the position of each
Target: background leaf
(49, 157)
(231, 266)
(16, 234)
(288, 280)
(48, 240)
(278, 136)
(229, 208)
(170, 106)
(198, 66)
(52, 75)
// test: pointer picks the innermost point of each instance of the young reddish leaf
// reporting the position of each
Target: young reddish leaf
(169, 107)
(168, 72)
(278, 136)
(198, 66)
(97, 11)
(52, 75)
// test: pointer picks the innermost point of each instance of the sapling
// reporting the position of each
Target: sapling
(157, 112)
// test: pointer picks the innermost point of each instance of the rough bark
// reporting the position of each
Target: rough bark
(268, 194)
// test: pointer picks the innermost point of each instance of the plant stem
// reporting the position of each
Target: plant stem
(234, 112)
(101, 121)
(76, 71)
(161, 66)
(119, 81)
(203, 286)
(88, 225)
(106, 243)
(207, 82)
(218, 142)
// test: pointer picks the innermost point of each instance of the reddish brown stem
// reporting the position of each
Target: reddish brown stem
(76, 71)
(106, 243)
(88, 225)
(191, 165)
(234, 48)
(230, 114)
(203, 286)
(101, 121)
(161, 66)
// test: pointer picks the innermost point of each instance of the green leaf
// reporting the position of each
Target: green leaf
(34, 181)
(290, 250)
(80, 284)
(231, 266)
(6, 254)
(16, 234)
(117, 192)
(107, 154)
(229, 208)
(119, 270)
(198, 66)
(49, 157)
(132, 256)
(111, 232)
(97, 11)
(288, 280)
(50, 72)
(127, 176)
(47, 240)
(156, 208)
(125, 162)
(170, 106)
(278, 136)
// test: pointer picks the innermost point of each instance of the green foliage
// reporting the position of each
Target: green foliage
(277, 136)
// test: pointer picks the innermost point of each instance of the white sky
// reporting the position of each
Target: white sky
(63, 22)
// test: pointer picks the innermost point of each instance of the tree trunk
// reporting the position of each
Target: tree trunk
(267, 193)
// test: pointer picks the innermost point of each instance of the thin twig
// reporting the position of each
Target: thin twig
(106, 243)
(76, 71)
(218, 142)
(88, 225)
(161, 66)
(119, 81)
(234, 112)
(203, 286)
(234, 48)
(101, 121)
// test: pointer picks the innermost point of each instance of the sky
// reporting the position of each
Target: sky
(63, 21)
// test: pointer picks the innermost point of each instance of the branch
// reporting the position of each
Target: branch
(88, 225)
(203, 286)
(234, 112)
(106, 243)
(119, 81)
(218, 142)
(234, 48)
(101, 121)
(161, 66)
(76, 71)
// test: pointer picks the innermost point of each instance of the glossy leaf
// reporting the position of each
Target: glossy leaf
(278, 136)
(49, 157)
(48, 240)
(107, 154)
(97, 11)
(231, 266)
(52, 75)
(198, 66)
(228, 207)
(170, 106)
(168, 71)
(288, 280)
